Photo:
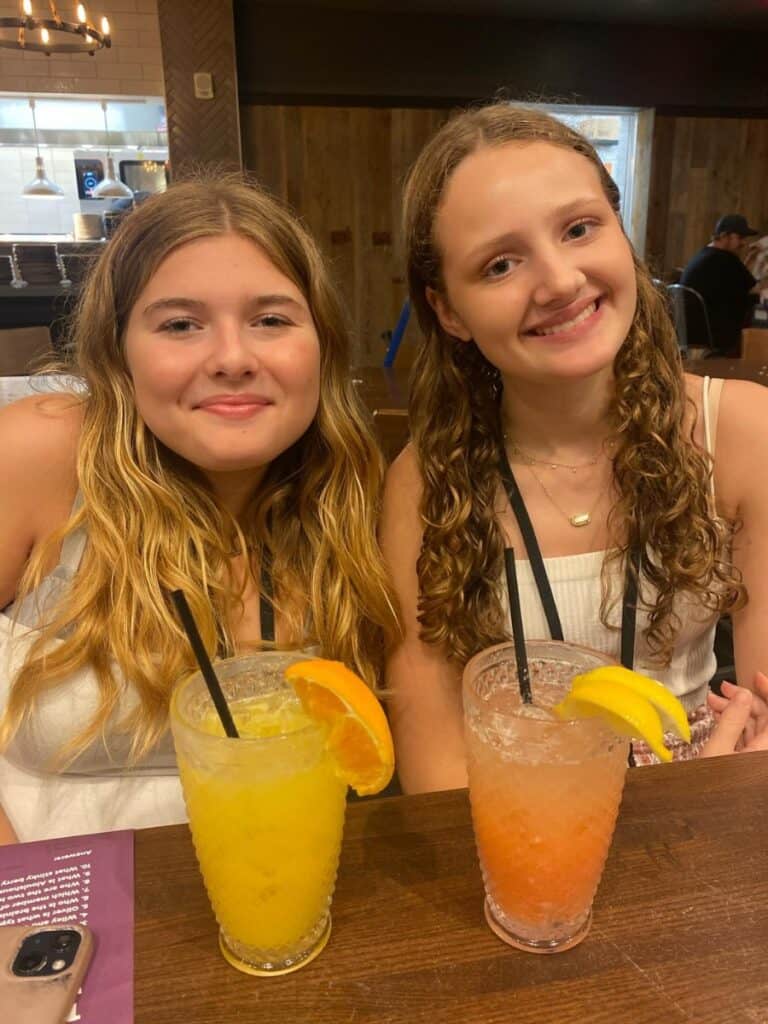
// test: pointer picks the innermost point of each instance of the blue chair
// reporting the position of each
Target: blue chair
(397, 335)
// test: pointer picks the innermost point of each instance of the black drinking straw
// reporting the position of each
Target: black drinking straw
(523, 673)
(213, 684)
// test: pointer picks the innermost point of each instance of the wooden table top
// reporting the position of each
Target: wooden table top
(680, 921)
(729, 369)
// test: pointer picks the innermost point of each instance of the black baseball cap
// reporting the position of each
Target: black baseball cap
(734, 224)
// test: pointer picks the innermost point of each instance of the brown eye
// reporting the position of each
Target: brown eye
(272, 320)
(581, 230)
(499, 267)
(178, 326)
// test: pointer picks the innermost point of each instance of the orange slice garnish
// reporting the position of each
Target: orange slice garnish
(358, 731)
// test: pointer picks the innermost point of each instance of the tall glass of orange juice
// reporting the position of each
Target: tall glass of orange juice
(266, 813)
(544, 794)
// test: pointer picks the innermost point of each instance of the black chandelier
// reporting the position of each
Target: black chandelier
(52, 34)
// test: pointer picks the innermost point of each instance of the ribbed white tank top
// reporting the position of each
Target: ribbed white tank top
(576, 586)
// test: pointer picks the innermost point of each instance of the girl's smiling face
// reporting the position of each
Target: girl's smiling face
(535, 266)
(224, 356)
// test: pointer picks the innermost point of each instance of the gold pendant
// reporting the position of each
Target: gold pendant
(581, 519)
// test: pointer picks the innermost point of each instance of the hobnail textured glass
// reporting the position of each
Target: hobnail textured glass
(544, 797)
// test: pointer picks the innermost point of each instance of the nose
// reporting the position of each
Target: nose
(233, 354)
(558, 278)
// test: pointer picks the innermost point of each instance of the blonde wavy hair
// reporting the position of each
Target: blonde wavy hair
(661, 477)
(151, 519)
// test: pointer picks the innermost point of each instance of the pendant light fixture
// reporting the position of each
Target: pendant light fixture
(110, 187)
(40, 187)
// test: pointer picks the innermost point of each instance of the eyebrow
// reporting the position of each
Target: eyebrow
(258, 302)
(513, 236)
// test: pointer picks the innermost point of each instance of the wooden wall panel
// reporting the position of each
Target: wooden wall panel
(703, 167)
(372, 224)
(342, 169)
(756, 168)
(199, 35)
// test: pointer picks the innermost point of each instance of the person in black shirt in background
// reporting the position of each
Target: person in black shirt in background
(717, 273)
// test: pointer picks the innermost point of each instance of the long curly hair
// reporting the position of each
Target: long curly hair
(151, 519)
(661, 477)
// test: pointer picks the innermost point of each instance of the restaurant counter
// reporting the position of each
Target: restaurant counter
(46, 276)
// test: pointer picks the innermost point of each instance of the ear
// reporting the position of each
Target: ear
(449, 321)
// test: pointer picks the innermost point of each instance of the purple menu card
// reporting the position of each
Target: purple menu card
(88, 880)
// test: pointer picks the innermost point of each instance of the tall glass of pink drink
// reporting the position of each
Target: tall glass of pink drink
(544, 794)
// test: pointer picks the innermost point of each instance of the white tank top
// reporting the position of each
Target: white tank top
(576, 587)
(100, 791)
(62, 712)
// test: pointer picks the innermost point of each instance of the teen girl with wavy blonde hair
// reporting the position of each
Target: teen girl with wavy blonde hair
(219, 445)
(549, 378)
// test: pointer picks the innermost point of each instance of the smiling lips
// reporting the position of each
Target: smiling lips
(236, 407)
(566, 320)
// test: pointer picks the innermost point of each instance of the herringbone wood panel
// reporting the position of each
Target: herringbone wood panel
(198, 35)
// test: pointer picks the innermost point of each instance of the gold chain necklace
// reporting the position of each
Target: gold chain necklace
(531, 461)
(579, 518)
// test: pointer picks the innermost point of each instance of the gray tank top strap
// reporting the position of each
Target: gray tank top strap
(34, 608)
(74, 543)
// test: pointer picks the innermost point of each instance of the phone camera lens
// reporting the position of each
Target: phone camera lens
(31, 963)
(62, 941)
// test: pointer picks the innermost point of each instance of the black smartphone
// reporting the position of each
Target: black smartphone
(41, 971)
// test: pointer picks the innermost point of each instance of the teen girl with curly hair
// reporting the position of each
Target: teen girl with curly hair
(549, 379)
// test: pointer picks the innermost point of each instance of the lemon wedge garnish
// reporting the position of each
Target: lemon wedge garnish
(672, 712)
(628, 703)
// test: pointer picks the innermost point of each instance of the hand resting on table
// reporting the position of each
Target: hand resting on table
(742, 718)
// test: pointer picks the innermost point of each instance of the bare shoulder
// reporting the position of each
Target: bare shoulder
(742, 401)
(400, 527)
(38, 440)
(44, 418)
(743, 419)
(38, 467)
(425, 688)
(404, 475)
(739, 400)
(741, 451)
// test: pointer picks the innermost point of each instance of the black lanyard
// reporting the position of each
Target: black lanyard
(266, 611)
(266, 607)
(629, 604)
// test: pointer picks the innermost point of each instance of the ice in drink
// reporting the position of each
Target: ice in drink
(544, 795)
(266, 813)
